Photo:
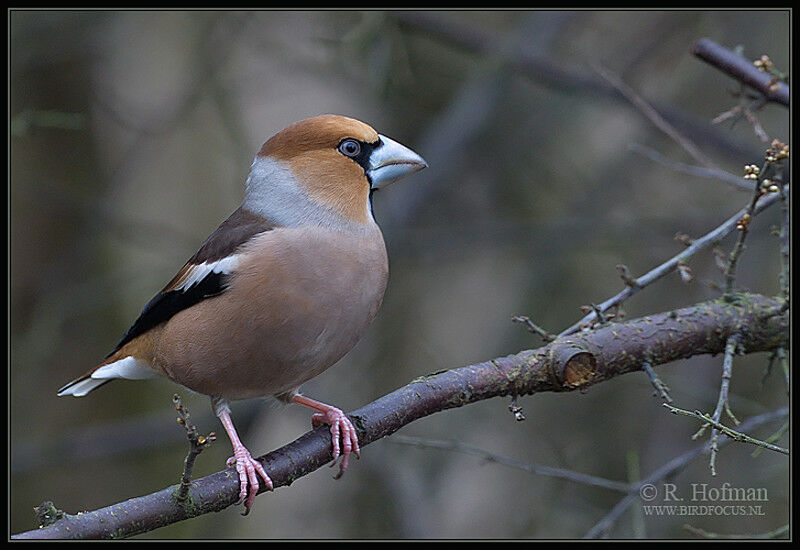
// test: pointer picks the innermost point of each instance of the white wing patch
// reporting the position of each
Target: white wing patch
(196, 273)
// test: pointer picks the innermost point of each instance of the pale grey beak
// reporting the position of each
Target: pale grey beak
(391, 161)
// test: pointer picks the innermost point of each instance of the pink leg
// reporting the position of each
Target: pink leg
(249, 468)
(341, 427)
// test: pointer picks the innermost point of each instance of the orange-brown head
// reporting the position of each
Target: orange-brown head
(323, 168)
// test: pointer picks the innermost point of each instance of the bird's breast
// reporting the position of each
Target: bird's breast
(299, 300)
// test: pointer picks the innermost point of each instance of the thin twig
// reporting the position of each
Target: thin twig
(599, 317)
(709, 239)
(728, 432)
(654, 116)
(660, 387)
(530, 467)
(785, 366)
(742, 226)
(722, 401)
(634, 476)
(670, 469)
(625, 275)
(534, 328)
(757, 128)
(773, 438)
(727, 371)
(773, 161)
(697, 171)
(743, 110)
(768, 369)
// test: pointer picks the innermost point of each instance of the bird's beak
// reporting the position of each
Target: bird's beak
(391, 161)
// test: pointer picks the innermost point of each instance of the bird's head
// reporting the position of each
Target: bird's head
(325, 165)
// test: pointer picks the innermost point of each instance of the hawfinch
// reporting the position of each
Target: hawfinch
(281, 290)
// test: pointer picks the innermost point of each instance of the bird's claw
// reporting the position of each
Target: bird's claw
(249, 469)
(341, 430)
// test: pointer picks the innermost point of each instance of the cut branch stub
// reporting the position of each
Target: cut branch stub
(573, 366)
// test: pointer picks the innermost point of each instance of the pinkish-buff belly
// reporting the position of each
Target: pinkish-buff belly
(294, 309)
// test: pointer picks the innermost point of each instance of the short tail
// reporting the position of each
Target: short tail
(128, 367)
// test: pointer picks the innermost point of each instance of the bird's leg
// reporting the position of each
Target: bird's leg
(249, 468)
(341, 427)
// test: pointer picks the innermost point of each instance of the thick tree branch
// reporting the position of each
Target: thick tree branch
(566, 364)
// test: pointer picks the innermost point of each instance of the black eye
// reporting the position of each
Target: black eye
(350, 148)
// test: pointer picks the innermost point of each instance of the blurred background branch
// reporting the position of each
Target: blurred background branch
(545, 70)
(671, 468)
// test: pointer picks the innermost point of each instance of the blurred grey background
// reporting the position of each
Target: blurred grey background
(132, 133)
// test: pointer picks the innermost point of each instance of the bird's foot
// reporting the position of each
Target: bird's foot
(341, 430)
(249, 469)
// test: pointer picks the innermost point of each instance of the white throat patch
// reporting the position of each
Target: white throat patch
(272, 191)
